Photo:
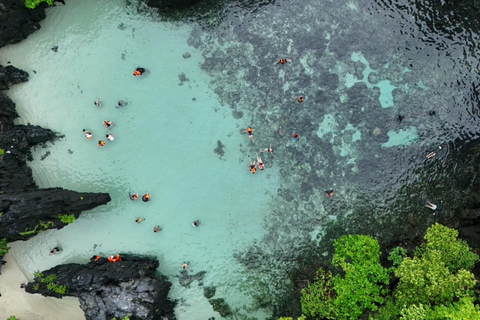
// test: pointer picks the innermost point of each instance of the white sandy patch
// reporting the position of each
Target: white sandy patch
(25, 306)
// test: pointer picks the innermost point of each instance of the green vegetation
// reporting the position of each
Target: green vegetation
(435, 284)
(12, 318)
(49, 282)
(362, 287)
(41, 224)
(3, 247)
(32, 4)
(2, 152)
(67, 218)
(126, 318)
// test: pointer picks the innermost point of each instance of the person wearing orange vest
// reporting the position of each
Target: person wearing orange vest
(250, 133)
(252, 166)
(97, 258)
(101, 143)
(261, 165)
(146, 197)
(284, 60)
(88, 134)
(110, 259)
(138, 72)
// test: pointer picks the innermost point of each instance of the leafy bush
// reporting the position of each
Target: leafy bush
(12, 318)
(70, 218)
(362, 288)
(32, 4)
(3, 247)
(397, 255)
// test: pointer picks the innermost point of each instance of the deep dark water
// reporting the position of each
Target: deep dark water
(426, 49)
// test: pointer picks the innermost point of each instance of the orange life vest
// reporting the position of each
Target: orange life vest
(97, 258)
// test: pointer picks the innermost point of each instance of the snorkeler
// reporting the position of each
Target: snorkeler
(283, 61)
(301, 99)
(97, 102)
(139, 220)
(55, 251)
(267, 149)
(329, 193)
(107, 124)
(138, 72)
(250, 133)
(185, 266)
(295, 137)
(252, 166)
(88, 134)
(133, 196)
(101, 143)
(110, 137)
(157, 229)
(261, 165)
(146, 197)
(121, 104)
(196, 223)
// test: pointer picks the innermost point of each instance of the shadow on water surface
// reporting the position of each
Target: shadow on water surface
(385, 83)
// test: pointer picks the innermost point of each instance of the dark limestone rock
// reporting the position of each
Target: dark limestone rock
(186, 279)
(219, 149)
(209, 292)
(28, 212)
(118, 289)
(10, 75)
(17, 21)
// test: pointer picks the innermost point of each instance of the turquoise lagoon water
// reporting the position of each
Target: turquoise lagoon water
(359, 64)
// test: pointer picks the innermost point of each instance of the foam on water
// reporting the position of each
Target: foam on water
(164, 144)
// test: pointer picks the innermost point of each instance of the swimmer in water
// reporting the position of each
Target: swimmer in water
(283, 61)
(185, 266)
(295, 137)
(250, 133)
(133, 196)
(121, 104)
(107, 124)
(54, 251)
(88, 134)
(301, 99)
(329, 193)
(196, 223)
(138, 72)
(267, 149)
(139, 220)
(252, 166)
(146, 197)
(97, 102)
(101, 143)
(110, 137)
(261, 165)
(157, 229)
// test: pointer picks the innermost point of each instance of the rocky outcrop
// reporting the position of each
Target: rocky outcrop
(17, 21)
(28, 212)
(111, 289)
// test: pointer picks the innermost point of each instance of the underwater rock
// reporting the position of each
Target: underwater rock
(18, 21)
(10, 75)
(219, 149)
(106, 290)
(221, 307)
(186, 55)
(185, 279)
(55, 49)
(209, 292)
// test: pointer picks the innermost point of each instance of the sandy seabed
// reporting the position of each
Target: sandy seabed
(14, 301)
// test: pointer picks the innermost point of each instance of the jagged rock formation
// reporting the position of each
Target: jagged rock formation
(108, 290)
(17, 21)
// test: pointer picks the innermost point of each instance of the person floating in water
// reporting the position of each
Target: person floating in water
(252, 166)
(146, 197)
(250, 133)
(431, 155)
(107, 124)
(295, 137)
(101, 143)
(196, 223)
(114, 259)
(133, 196)
(185, 266)
(139, 220)
(110, 137)
(157, 229)
(301, 99)
(88, 134)
(284, 60)
(55, 251)
(267, 149)
(97, 102)
(329, 193)
(138, 72)
(261, 165)
(121, 104)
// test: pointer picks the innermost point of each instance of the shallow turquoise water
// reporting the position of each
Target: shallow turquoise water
(164, 144)
(359, 64)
